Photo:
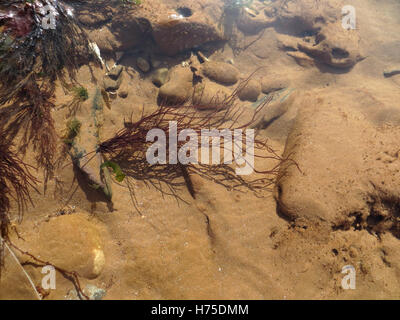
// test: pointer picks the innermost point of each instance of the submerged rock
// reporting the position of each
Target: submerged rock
(160, 76)
(88, 138)
(111, 85)
(210, 95)
(113, 94)
(123, 94)
(250, 91)
(72, 242)
(115, 72)
(92, 18)
(94, 293)
(143, 64)
(273, 83)
(174, 32)
(221, 72)
(179, 86)
(120, 29)
(155, 63)
(121, 33)
(252, 22)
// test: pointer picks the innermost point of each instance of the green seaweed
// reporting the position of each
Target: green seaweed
(119, 175)
(135, 2)
(81, 93)
(73, 128)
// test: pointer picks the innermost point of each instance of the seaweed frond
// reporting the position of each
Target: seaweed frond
(73, 129)
(32, 58)
(129, 146)
(81, 93)
(16, 181)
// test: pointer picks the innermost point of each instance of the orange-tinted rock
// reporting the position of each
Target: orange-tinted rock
(250, 91)
(221, 72)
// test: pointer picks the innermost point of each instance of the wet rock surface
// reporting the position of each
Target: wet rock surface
(115, 72)
(318, 32)
(160, 76)
(221, 72)
(209, 95)
(110, 84)
(73, 243)
(175, 32)
(250, 91)
(335, 173)
(123, 94)
(335, 47)
(274, 82)
(143, 64)
(178, 88)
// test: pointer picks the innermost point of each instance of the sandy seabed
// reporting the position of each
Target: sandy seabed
(338, 115)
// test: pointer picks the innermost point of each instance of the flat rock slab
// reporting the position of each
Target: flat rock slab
(344, 163)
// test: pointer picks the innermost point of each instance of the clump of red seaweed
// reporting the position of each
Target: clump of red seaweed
(17, 19)
(15, 184)
(32, 57)
(128, 148)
